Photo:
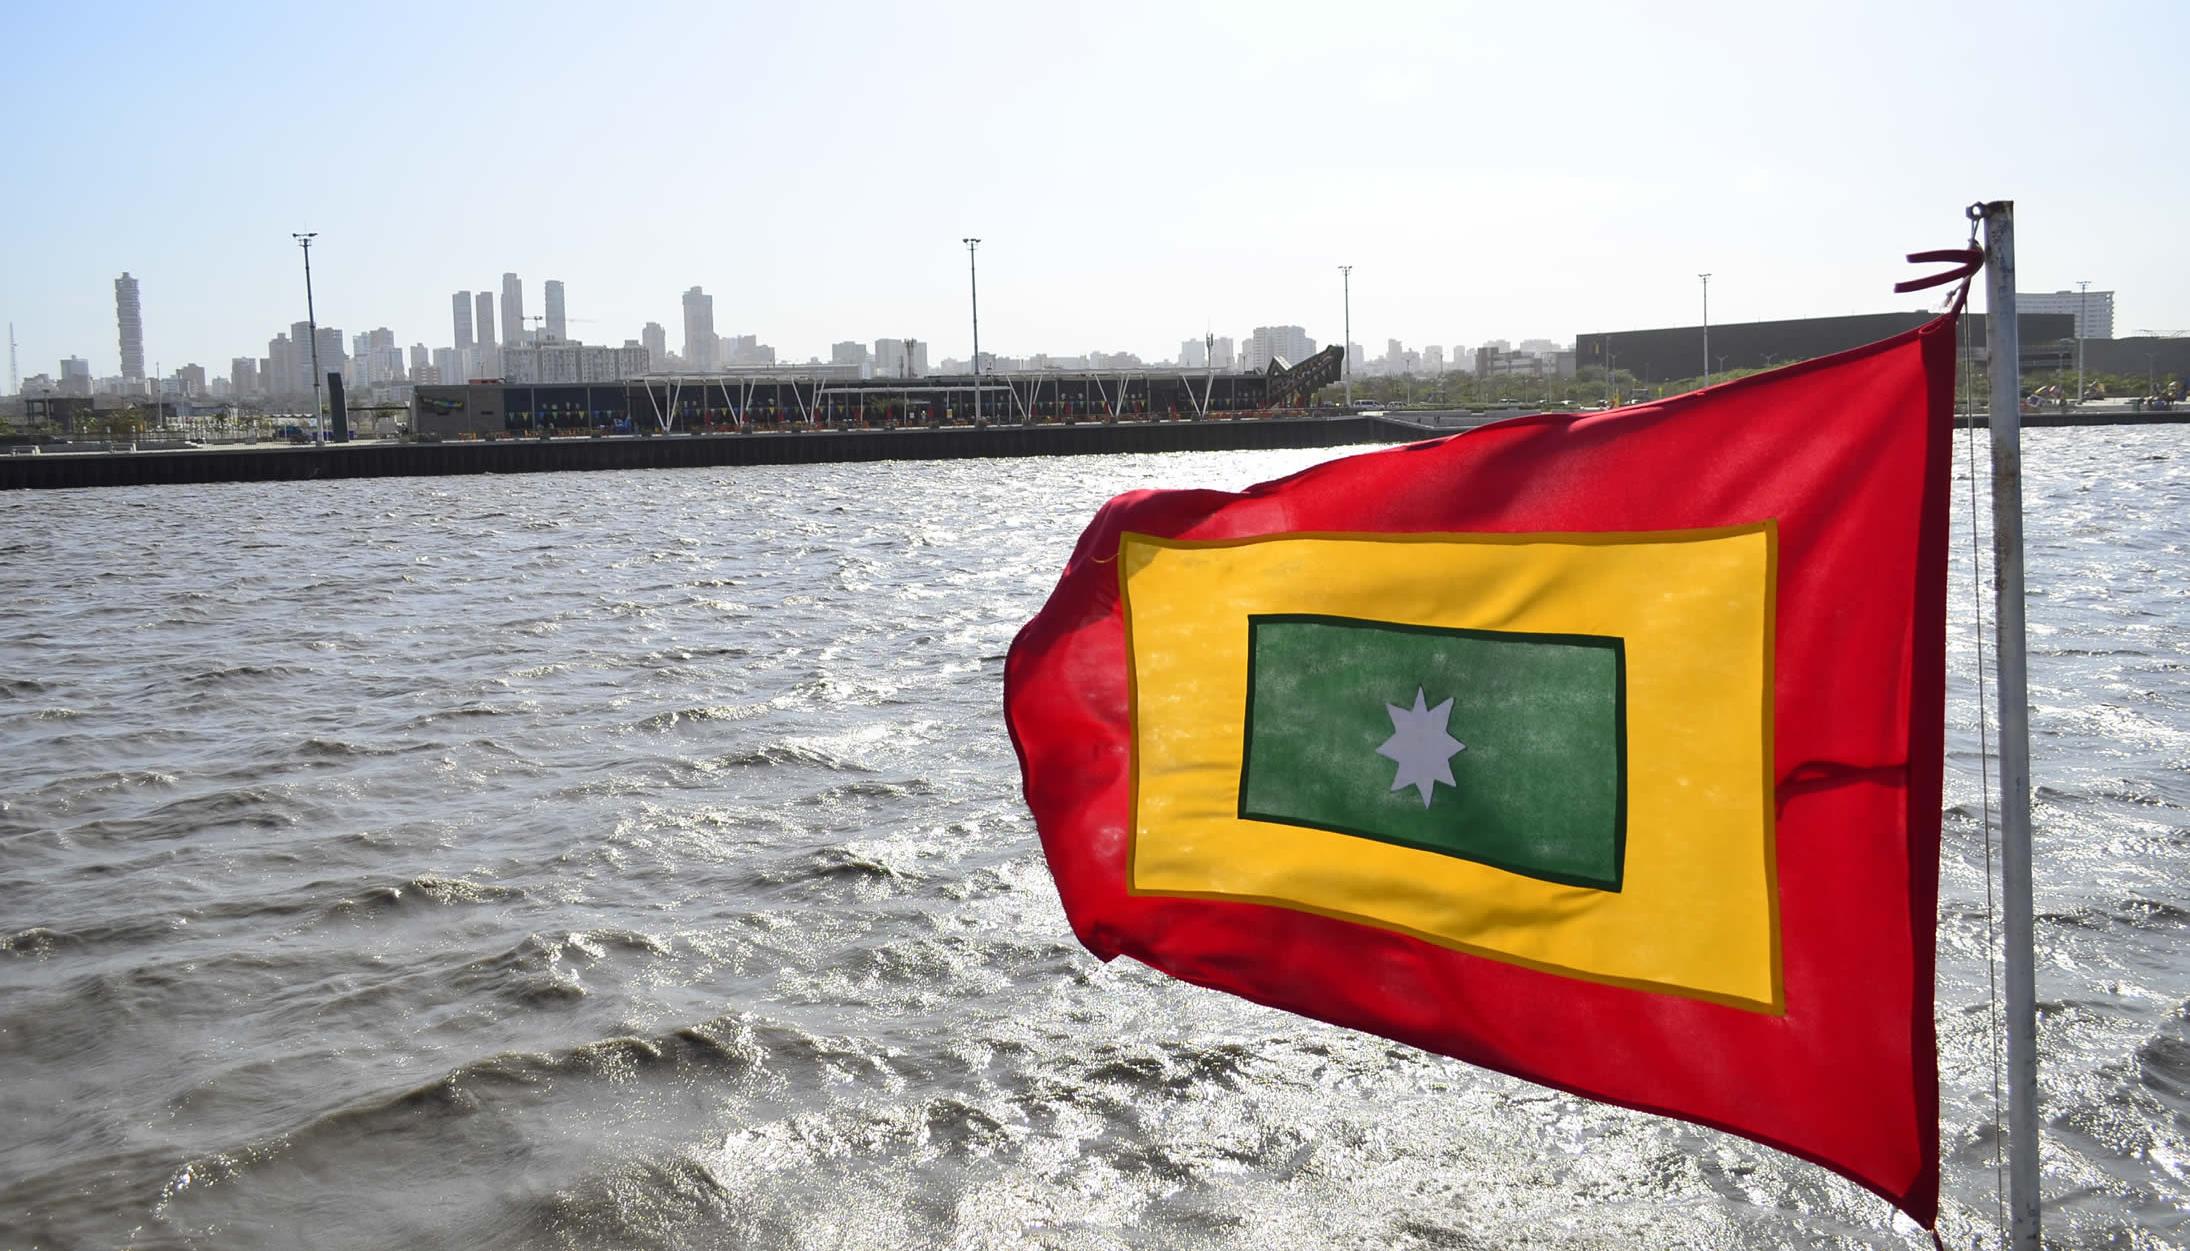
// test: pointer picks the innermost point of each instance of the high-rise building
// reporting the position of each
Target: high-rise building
(1433, 359)
(574, 362)
(302, 360)
(129, 317)
(191, 379)
(460, 309)
(656, 341)
(2093, 310)
(1193, 354)
(331, 358)
(849, 352)
(75, 376)
(490, 361)
(743, 349)
(420, 357)
(513, 311)
(1290, 344)
(1221, 352)
(279, 377)
(889, 359)
(699, 330)
(243, 377)
(556, 329)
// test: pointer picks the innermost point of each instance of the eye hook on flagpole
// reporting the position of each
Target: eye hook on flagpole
(1967, 260)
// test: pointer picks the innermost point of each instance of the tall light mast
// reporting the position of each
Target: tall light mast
(311, 320)
(973, 279)
(1346, 349)
(1706, 328)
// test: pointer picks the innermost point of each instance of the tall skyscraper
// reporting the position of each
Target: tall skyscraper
(556, 329)
(243, 377)
(900, 358)
(490, 360)
(280, 375)
(513, 311)
(657, 345)
(130, 318)
(1290, 344)
(699, 330)
(460, 307)
(301, 363)
(331, 358)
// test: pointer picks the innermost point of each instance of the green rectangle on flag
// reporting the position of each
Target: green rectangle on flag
(1500, 747)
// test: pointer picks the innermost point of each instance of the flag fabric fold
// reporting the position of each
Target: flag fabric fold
(1599, 749)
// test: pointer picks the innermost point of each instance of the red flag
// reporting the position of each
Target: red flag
(1657, 817)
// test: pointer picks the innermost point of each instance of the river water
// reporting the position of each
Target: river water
(636, 860)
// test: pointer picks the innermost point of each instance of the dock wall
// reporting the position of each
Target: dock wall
(388, 460)
(805, 447)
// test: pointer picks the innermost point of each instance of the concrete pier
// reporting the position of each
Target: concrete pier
(386, 460)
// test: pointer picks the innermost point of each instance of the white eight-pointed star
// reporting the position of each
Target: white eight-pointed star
(1421, 746)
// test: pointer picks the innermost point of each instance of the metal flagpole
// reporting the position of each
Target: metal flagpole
(2004, 346)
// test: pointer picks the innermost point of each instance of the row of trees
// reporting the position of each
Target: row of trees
(1589, 388)
(1586, 389)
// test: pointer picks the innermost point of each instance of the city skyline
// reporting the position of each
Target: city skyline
(544, 352)
(1477, 195)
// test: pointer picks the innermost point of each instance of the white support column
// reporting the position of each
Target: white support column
(1200, 403)
(655, 405)
(728, 402)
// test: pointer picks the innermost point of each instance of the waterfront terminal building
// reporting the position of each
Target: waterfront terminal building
(758, 398)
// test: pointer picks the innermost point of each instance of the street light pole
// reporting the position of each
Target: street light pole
(311, 322)
(2083, 302)
(1346, 278)
(973, 276)
(1706, 328)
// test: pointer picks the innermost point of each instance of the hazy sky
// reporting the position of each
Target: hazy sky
(1137, 172)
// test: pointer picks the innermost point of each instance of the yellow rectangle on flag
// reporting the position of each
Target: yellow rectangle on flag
(1695, 913)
